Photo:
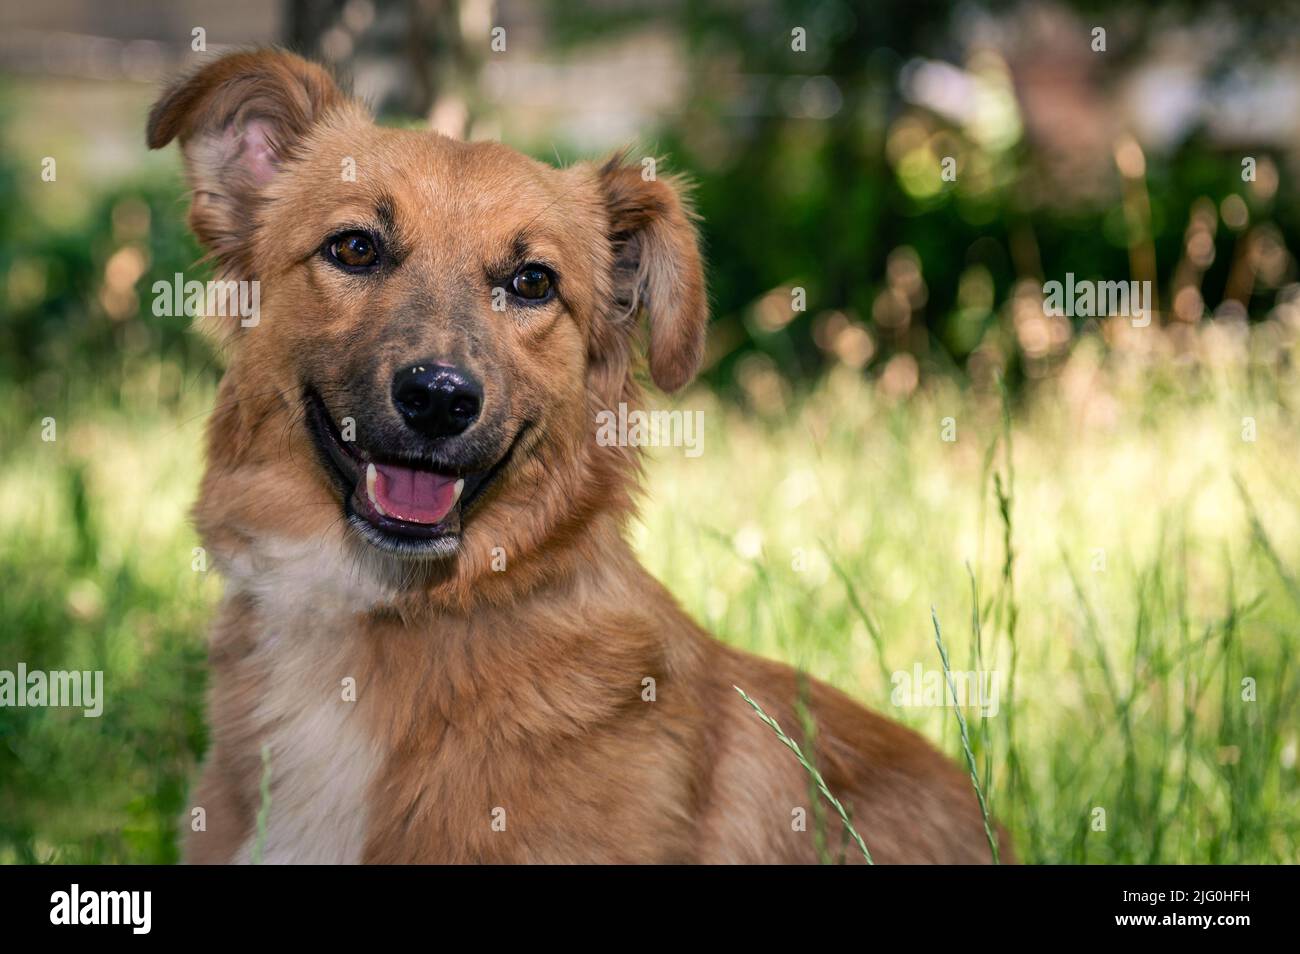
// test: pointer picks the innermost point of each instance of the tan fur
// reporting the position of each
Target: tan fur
(513, 696)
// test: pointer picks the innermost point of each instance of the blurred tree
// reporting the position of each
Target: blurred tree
(407, 56)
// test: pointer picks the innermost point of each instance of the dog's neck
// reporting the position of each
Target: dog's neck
(603, 614)
(308, 579)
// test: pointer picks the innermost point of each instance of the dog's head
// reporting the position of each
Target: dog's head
(440, 322)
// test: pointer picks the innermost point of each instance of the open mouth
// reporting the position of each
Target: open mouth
(401, 506)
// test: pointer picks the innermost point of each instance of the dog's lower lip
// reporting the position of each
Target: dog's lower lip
(435, 500)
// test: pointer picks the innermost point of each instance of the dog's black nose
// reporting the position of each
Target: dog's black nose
(435, 400)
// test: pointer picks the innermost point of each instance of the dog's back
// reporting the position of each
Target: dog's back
(908, 803)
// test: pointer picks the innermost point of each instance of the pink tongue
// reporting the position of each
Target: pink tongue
(416, 496)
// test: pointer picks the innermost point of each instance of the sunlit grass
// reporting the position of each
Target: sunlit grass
(1143, 596)
(1144, 593)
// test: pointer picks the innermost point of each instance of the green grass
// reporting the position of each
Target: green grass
(821, 533)
(1122, 680)
(263, 808)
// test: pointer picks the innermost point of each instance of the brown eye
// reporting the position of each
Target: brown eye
(532, 282)
(354, 250)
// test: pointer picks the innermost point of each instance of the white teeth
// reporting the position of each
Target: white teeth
(455, 493)
(371, 473)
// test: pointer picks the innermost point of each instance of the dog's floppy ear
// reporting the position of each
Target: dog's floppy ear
(658, 267)
(237, 118)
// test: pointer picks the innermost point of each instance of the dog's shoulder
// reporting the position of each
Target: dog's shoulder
(908, 802)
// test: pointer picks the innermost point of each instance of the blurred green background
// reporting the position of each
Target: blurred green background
(828, 514)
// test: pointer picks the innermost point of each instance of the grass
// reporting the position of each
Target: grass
(263, 808)
(965, 742)
(1118, 586)
(1124, 558)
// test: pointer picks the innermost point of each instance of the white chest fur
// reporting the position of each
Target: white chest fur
(309, 714)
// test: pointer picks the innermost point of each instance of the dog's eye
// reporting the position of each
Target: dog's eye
(532, 282)
(354, 250)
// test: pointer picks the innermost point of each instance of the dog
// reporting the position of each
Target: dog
(435, 641)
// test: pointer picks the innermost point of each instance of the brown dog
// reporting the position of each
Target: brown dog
(434, 626)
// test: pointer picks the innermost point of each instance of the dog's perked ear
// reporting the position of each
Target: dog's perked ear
(658, 267)
(237, 118)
